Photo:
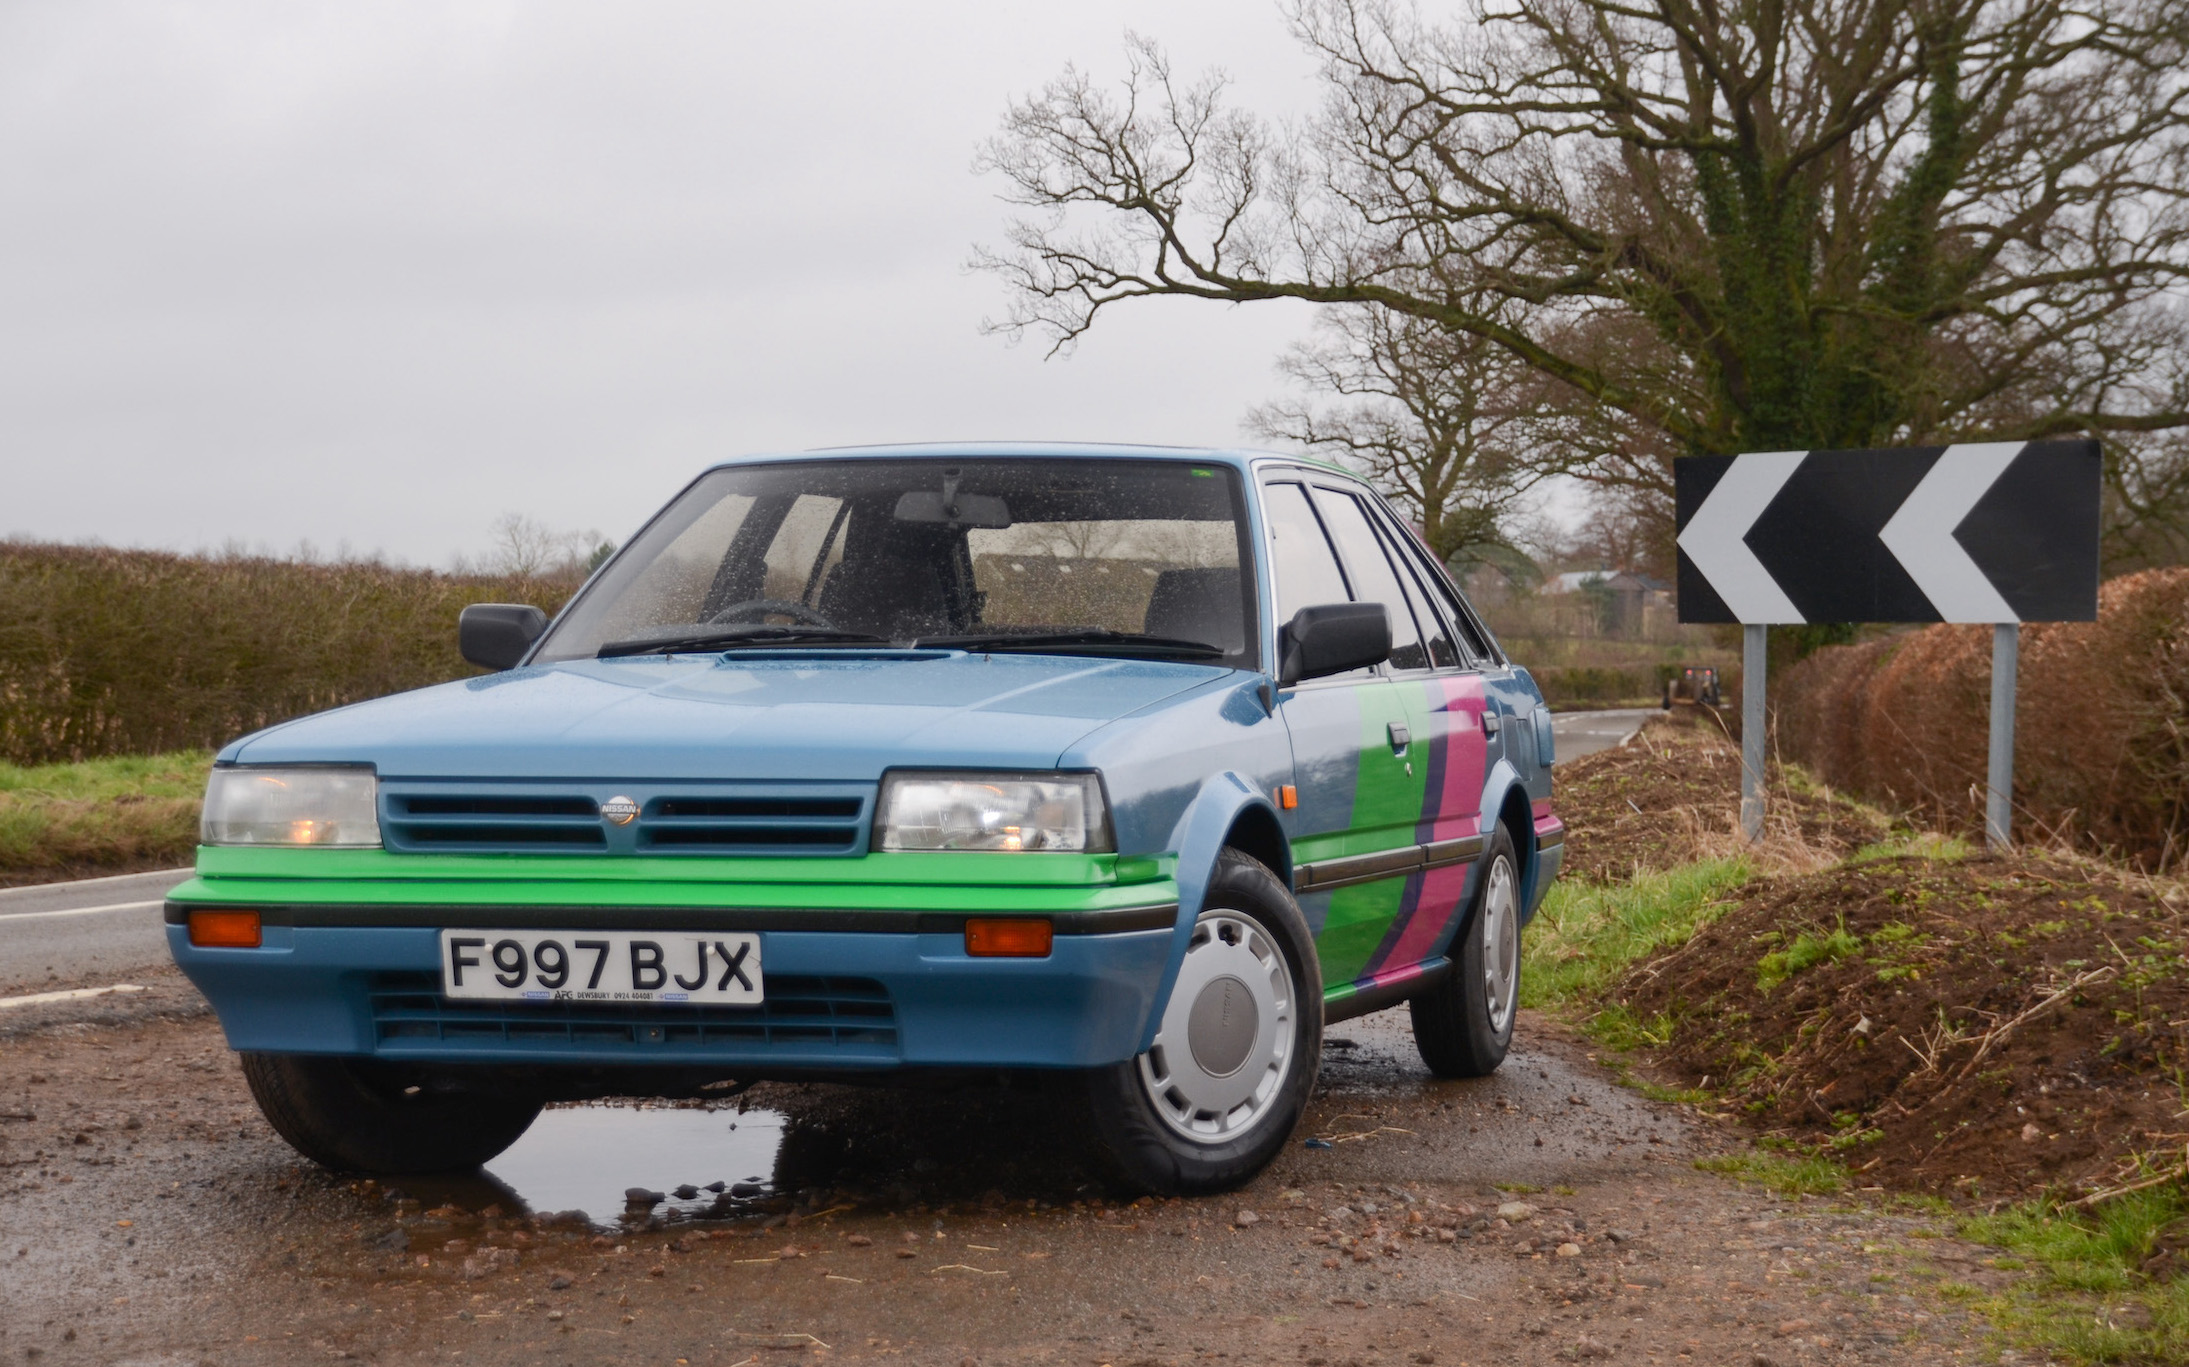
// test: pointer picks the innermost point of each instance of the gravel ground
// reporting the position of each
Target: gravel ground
(1543, 1215)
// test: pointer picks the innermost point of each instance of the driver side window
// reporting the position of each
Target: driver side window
(1302, 564)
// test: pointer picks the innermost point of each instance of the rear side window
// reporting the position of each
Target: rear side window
(1305, 570)
(1442, 653)
(1374, 581)
(1439, 589)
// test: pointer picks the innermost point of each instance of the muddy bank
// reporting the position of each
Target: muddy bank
(1985, 1027)
(1671, 795)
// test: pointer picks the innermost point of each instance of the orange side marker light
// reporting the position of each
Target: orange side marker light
(1008, 938)
(224, 929)
(1288, 796)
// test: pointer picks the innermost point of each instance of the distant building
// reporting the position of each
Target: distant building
(1626, 601)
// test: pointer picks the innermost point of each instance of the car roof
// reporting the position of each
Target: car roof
(1238, 457)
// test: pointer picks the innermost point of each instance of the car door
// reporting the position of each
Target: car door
(1447, 700)
(1353, 831)
(1442, 753)
(1516, 726)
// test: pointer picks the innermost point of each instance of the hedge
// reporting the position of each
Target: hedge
(112, 652)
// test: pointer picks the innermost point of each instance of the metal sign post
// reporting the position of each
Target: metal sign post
(1752, 726)
(1997, 532)
(2006, 651)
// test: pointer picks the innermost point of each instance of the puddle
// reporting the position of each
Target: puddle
(583, 1158)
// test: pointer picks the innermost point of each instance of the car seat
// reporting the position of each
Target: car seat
(1198, 605)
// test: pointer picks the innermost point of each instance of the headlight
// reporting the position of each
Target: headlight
(992, 812)
(291, 807)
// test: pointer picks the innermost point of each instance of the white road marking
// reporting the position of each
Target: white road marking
(1714, 536)
(38, 889)
(80, 911)
(1921, 533)
(73, 994)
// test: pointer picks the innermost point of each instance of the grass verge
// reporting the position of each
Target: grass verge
(1788, 1177)
(99, 816)
(2109, 1285)
(1585, 934)
(2106, 1284)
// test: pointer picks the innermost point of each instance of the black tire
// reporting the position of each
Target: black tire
(1456, 1026)
(356, 1115)
(1134, 1141)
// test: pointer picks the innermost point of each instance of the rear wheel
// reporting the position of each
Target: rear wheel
(358, 1115)
(1235, 1056)
(1464, 1026)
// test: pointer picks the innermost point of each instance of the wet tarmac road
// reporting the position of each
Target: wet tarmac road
(150, 1217)
(1585, 733)
(95, 932)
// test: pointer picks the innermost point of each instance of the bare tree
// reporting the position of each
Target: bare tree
(1718, 226)
(525, 549)
(2146, 501)
(1441, 420)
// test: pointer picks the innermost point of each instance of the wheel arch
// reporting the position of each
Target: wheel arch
(1256, 833)
(1516, 813)
(1227, 813)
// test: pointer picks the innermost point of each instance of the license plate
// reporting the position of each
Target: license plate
(671, 968)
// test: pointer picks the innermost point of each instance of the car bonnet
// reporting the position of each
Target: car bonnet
(782, 715)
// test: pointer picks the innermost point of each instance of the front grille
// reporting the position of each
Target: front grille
(851, 1016)
(476, 821)
(699, 818)
(743, 807)
(830, 824)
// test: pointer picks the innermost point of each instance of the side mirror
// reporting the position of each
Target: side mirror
(1332, 638)
(496, 635)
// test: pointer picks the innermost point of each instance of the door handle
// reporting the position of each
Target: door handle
(1400, 737)
(1489, 721)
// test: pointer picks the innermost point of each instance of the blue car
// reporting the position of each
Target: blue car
(1130, 768)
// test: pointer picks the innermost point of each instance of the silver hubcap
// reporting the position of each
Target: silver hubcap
(1500, 943)
(1226, 1044)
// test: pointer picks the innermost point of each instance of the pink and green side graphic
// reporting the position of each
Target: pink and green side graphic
(1376, 934)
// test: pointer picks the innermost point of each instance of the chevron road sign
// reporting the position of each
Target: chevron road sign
(1997, 532)
(1993, 532)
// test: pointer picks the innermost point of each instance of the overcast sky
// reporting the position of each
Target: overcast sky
(373, 274)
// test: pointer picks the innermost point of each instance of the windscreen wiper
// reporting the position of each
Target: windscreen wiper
(1084, 641)
(730, 638)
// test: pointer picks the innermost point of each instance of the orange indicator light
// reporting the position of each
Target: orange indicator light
(224, 929)
(1288, 796)
(1015, 938)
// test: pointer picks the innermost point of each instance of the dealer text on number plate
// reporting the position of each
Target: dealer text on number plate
(696, 968)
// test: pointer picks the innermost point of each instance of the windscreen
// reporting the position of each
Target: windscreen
(1075, 556)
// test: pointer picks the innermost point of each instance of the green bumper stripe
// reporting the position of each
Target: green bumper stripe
(1033, 884)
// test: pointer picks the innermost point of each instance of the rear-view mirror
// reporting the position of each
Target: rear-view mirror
(1332, 638)
(497, 635)
(959, 510)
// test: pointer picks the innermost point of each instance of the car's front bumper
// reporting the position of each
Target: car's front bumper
(873, 986)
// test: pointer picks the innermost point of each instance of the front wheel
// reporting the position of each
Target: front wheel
(1214, 1098)
(1464, 1026)
(358, 1115)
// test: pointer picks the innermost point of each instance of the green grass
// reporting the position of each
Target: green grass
(1811, 1176)
(124, 812)
(1917, 845)
(174, 775)
(1807, 951)
(1585, 935)
(2088, 1299)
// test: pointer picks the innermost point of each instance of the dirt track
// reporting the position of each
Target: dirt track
(150, 1217)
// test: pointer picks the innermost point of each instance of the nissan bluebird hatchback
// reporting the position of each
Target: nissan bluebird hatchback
(1128, 768)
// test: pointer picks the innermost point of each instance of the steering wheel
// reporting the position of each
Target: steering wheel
(760, 607)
